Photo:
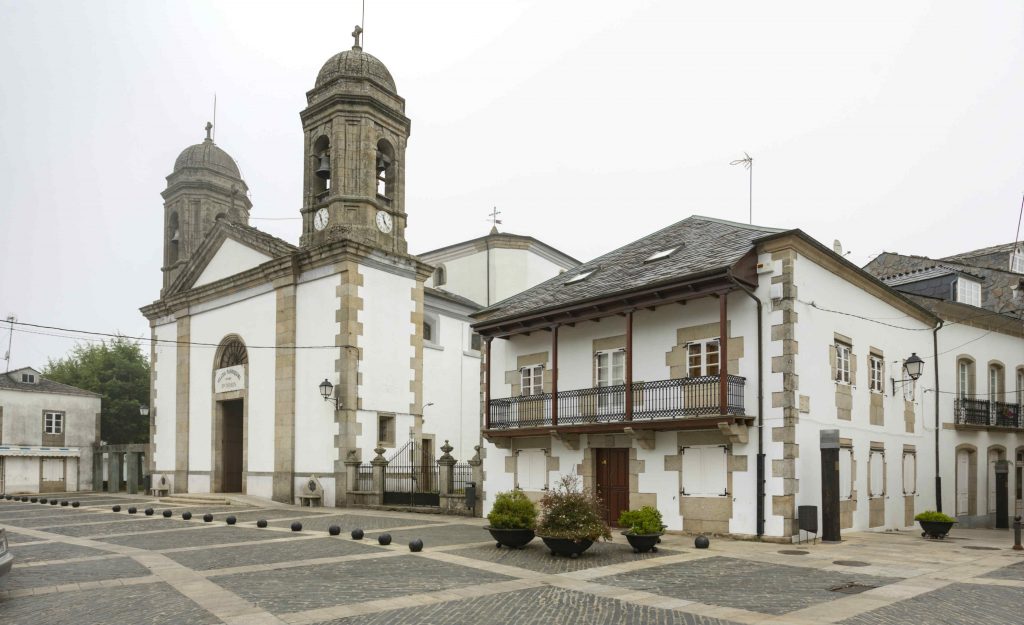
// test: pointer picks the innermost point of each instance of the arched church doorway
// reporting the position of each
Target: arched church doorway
(230, 415)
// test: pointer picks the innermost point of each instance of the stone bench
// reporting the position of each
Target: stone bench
(309, 500)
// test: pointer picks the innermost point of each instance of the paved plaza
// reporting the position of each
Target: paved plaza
(90, 565)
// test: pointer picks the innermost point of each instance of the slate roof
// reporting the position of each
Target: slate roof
(966, 257)
(924, 273)
(42, 386)
(451, 297)
(702, 244)
(272, 245)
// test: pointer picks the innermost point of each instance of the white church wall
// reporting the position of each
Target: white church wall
(316, 307)
(259, 486)
(451, 382)
(165, 406)
(466, 276)
(385, 341)
(232, 258)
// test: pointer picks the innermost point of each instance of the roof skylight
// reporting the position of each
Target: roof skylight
(580, 277)
(661, 254)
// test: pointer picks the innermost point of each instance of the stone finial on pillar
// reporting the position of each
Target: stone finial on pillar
(379, 458)
(446, 458)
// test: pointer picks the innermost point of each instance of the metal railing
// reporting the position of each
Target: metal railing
(661, 399)
(462, 474)
(364, 477)
(984, 412)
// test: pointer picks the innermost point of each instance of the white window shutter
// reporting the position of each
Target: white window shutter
(845, 476)
(532, 468)
(909, 474)
(715, 471)
(693, 470)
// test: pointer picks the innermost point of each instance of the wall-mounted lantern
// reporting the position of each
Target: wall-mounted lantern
(325, 392)
(912, 368)
(144, 411)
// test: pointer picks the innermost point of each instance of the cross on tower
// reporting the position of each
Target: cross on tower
(356, 34)
(209, 127)
(493, 216)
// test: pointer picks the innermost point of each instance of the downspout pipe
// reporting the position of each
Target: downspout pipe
(760, 405)
(938, 424)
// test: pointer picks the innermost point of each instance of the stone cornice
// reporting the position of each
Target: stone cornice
(347, 100)
(289, 266)
(499, 241)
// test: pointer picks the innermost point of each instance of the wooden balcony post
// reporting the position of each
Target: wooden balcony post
(554, 376)
(487, 383)
(629, 365)
(723, 354)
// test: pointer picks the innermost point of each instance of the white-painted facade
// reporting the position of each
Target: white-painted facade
(47, 434)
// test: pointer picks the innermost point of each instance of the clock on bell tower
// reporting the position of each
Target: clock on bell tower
(355, 134)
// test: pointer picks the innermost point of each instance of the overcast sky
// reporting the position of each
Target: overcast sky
(893, 126)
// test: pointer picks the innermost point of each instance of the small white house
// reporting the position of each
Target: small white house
(48, 431)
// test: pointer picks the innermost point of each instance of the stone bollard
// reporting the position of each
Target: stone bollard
(1016, 534)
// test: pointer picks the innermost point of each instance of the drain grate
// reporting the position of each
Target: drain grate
(980, 548)
(794, 552)
(851, 563)
(851, 588)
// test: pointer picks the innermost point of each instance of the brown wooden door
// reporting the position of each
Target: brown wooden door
(232, 451)
(613, 482)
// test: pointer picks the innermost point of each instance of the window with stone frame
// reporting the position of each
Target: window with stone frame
(531, 380)
(843, 362)
(610, 370)
(909, 473)
(965, 378)
(875, 368)
(702, 358)
(475, 341)
(386, 430)
(428, 331)
(876, 473)
(531, 469)
(53, 422)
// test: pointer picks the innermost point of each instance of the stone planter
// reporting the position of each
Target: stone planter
(515, 538)
(642, 543)
(936, 529)
(566, 546)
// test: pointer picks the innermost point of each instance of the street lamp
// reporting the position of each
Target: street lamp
(325, 392)
(144, 411)
(912, 368)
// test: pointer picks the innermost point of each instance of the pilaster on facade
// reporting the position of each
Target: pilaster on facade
(784, 504)
(181, 432)
(346, 366)
(284, 391)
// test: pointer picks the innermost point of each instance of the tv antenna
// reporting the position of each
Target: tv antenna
(748, 163)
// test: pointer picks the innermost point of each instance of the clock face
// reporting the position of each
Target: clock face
(320, 219)
(384, 222)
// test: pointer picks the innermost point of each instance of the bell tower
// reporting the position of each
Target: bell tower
(355, 133)
(205, 186)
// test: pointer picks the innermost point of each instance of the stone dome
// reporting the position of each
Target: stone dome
(355, 63)
(209, 156)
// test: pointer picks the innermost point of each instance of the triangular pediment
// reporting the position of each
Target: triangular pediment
(228, 249)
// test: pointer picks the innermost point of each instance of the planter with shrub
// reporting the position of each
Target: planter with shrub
(571, 519)
(643, 528)
(512, 519)
(935, 524)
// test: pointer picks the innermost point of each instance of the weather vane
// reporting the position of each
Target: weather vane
(493, 216)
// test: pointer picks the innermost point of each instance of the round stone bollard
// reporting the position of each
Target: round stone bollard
(167, 514)
(701, 542)
(186, 515)
(296, 526)
(261, 523)
(207, 518)
(334, 530)
(53, 502)
(384, 539)
(63, 502)
(415, 545)
(357, 534)
(42, 500)
(116, 508)
(75, 504)
(148, 511)
(230, 520)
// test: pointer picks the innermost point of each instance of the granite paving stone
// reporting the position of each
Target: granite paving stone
(211, 535)
(438, 536)
(735, 583)
(318, 586)
(133, 523)
(73, 573)
(534, 606)
(55, 551)
(956, 604)
(255, 515)
(536, 557)
(291, 550)
(1014, 571)
(145, 604)
(14, 538)
(348, 522)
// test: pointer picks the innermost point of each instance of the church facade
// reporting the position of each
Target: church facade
(274, 363)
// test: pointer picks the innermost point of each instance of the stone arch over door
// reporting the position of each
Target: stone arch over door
(230, 417)
(966, 482)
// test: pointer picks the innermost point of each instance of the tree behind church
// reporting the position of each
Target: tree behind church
(119, 371)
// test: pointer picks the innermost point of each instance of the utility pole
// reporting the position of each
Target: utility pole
(10, 337)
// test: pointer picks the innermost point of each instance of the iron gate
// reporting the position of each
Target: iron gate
(411, 477)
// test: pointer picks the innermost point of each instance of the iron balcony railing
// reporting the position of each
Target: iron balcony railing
(984, 412)
(661, 399)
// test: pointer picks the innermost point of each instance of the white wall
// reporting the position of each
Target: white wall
(451, 374)
(231, 258)
(21, 475)
(164, 405)
(385, 342)
(511, 271)
(316, 308)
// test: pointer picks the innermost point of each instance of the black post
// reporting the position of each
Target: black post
(830, 486)
(1002, 495)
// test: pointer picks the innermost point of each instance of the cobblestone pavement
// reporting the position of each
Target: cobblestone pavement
(90, 565)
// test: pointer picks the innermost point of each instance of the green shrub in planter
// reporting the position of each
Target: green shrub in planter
(646, 520)
(513, 510)
(571, 513)
(931, 516)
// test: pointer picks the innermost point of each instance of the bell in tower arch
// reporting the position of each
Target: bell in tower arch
(323, 170)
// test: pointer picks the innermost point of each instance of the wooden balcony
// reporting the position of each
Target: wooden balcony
(683, 403)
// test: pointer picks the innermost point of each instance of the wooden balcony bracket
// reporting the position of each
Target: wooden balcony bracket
(571, 441)
(644, 438)
(736, 433)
